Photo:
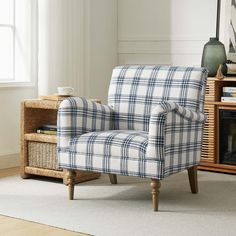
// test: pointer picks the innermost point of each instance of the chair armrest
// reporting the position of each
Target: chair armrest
(77, 116)
(175, 136)
(165, 107)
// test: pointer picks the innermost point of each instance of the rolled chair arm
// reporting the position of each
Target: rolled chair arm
(174, 132)
(168, 106)
(77, 116)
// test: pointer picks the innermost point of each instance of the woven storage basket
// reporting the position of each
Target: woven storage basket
(42, 155)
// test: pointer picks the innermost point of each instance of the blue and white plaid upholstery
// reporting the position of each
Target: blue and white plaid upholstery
(152, 126)
(136, 90)
(77, 116)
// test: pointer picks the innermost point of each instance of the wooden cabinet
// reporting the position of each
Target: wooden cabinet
(211, 139)
(38, 151)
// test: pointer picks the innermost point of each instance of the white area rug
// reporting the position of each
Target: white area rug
(125, 209)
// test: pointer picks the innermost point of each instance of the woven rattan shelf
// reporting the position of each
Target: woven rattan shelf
(38, 151)
(45, 138)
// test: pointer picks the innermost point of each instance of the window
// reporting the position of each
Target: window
(18, 44)
(7, 31)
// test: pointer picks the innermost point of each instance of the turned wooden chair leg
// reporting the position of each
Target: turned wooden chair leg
(192, 175)
(70, 176)
(155, 185)
(113, 178)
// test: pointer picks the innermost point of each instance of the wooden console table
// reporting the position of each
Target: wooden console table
(38, 151)
(210, 153)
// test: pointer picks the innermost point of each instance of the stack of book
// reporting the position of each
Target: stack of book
(55, 97)
(229, 94)
(47, 129)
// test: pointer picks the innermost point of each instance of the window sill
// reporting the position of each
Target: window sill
(11, 84)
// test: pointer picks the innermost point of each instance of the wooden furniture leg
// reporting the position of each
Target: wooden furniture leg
(192, 175)
(155, 185)
(70, 175)
(113, 178)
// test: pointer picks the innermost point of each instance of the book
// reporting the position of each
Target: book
(229, 94)
(228, 99)
(54, 97)
(48, 127)
(229, 89)
(50, 132)
(231, 68)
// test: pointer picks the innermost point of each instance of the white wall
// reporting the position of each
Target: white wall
(164, 31)
(10, 99)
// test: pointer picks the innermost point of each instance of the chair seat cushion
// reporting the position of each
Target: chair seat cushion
(113, 143)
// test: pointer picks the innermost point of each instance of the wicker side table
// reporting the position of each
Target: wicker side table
(38, 151)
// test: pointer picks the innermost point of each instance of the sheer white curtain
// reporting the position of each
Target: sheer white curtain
(59, 63)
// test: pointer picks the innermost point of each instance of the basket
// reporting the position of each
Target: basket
(42, 155)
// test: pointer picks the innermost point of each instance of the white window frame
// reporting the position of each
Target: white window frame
(32, 72)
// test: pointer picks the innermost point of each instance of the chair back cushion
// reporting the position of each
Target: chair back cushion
(136, 89)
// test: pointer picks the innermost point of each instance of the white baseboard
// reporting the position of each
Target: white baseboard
(9, 161)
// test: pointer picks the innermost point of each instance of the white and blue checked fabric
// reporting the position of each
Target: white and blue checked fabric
(135, 90)
(152, 126)
(175, 137)
(77, 116)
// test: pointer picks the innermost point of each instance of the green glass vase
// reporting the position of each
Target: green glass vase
(213, 55)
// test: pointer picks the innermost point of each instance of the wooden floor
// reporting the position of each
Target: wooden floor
(15, 227)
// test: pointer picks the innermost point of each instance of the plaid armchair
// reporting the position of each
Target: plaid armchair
(152, 126)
